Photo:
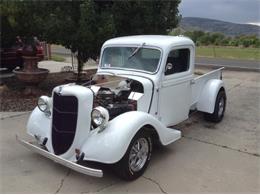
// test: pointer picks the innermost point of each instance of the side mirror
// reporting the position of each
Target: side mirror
(168, 67)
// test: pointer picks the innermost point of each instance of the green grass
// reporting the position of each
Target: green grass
(229, 52)
(57, 58)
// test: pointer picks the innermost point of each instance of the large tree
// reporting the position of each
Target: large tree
(81, 26)
(84, 25)
(145, 17)
(23, 18)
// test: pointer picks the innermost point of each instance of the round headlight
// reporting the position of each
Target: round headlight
(100, 117)
(43, 104)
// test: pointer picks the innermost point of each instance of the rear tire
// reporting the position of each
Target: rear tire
(219, 109)
(136, 158)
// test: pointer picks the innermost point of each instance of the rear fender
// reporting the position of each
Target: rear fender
(206, 102)
(110, 145)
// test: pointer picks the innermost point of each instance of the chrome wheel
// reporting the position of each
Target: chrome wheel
(137, 157)
(138, 154)
(221, 106)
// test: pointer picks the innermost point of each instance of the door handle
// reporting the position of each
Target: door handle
(192, 82)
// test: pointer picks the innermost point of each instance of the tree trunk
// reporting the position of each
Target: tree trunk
(80, 65)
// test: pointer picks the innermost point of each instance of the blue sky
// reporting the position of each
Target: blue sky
(237, 11)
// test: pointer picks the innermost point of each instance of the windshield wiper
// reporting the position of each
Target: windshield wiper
(136, 50)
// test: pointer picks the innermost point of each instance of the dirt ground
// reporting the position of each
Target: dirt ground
(12, 91)
(209, 158)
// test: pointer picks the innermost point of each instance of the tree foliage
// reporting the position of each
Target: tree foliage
(20, 18)
(219, 39)
(84, 25)
(145, 17)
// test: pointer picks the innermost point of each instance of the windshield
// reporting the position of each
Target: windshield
(137, 58)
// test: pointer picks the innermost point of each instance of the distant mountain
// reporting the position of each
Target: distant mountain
(210, 25)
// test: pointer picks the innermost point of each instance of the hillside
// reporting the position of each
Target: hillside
(210, 25)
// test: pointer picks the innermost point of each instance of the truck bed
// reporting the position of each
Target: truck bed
(200, 81)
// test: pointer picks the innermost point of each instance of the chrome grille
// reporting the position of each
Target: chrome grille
(64, 122)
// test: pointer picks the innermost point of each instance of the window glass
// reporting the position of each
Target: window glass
(144, 59)
(177, 61)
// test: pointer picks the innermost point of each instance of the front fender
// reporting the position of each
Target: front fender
(110, 145)
(209, 94)
(40, 125)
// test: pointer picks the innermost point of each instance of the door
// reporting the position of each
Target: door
(175, 92)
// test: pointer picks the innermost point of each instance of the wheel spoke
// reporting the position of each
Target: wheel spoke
(144, 148)
(221, 107)
(132, 156)
(132, 162)
(135, 149)
(138, 146)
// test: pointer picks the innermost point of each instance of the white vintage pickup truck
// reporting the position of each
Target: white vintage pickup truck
(143, 86)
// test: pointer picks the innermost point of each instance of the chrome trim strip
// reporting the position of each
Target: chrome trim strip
(64, 162)
(208, 73)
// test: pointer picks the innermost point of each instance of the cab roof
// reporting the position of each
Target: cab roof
(162, 41)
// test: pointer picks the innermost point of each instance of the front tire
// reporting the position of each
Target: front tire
(136, 158)
(219, 109)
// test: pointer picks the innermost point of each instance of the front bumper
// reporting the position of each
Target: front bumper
(72, 165)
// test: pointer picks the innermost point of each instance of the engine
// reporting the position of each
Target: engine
(117, 101)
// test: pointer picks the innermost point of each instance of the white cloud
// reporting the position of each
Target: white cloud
(254, 23)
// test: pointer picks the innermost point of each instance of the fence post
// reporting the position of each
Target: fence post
(49, 51)
(46, 50)
(214, 52)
